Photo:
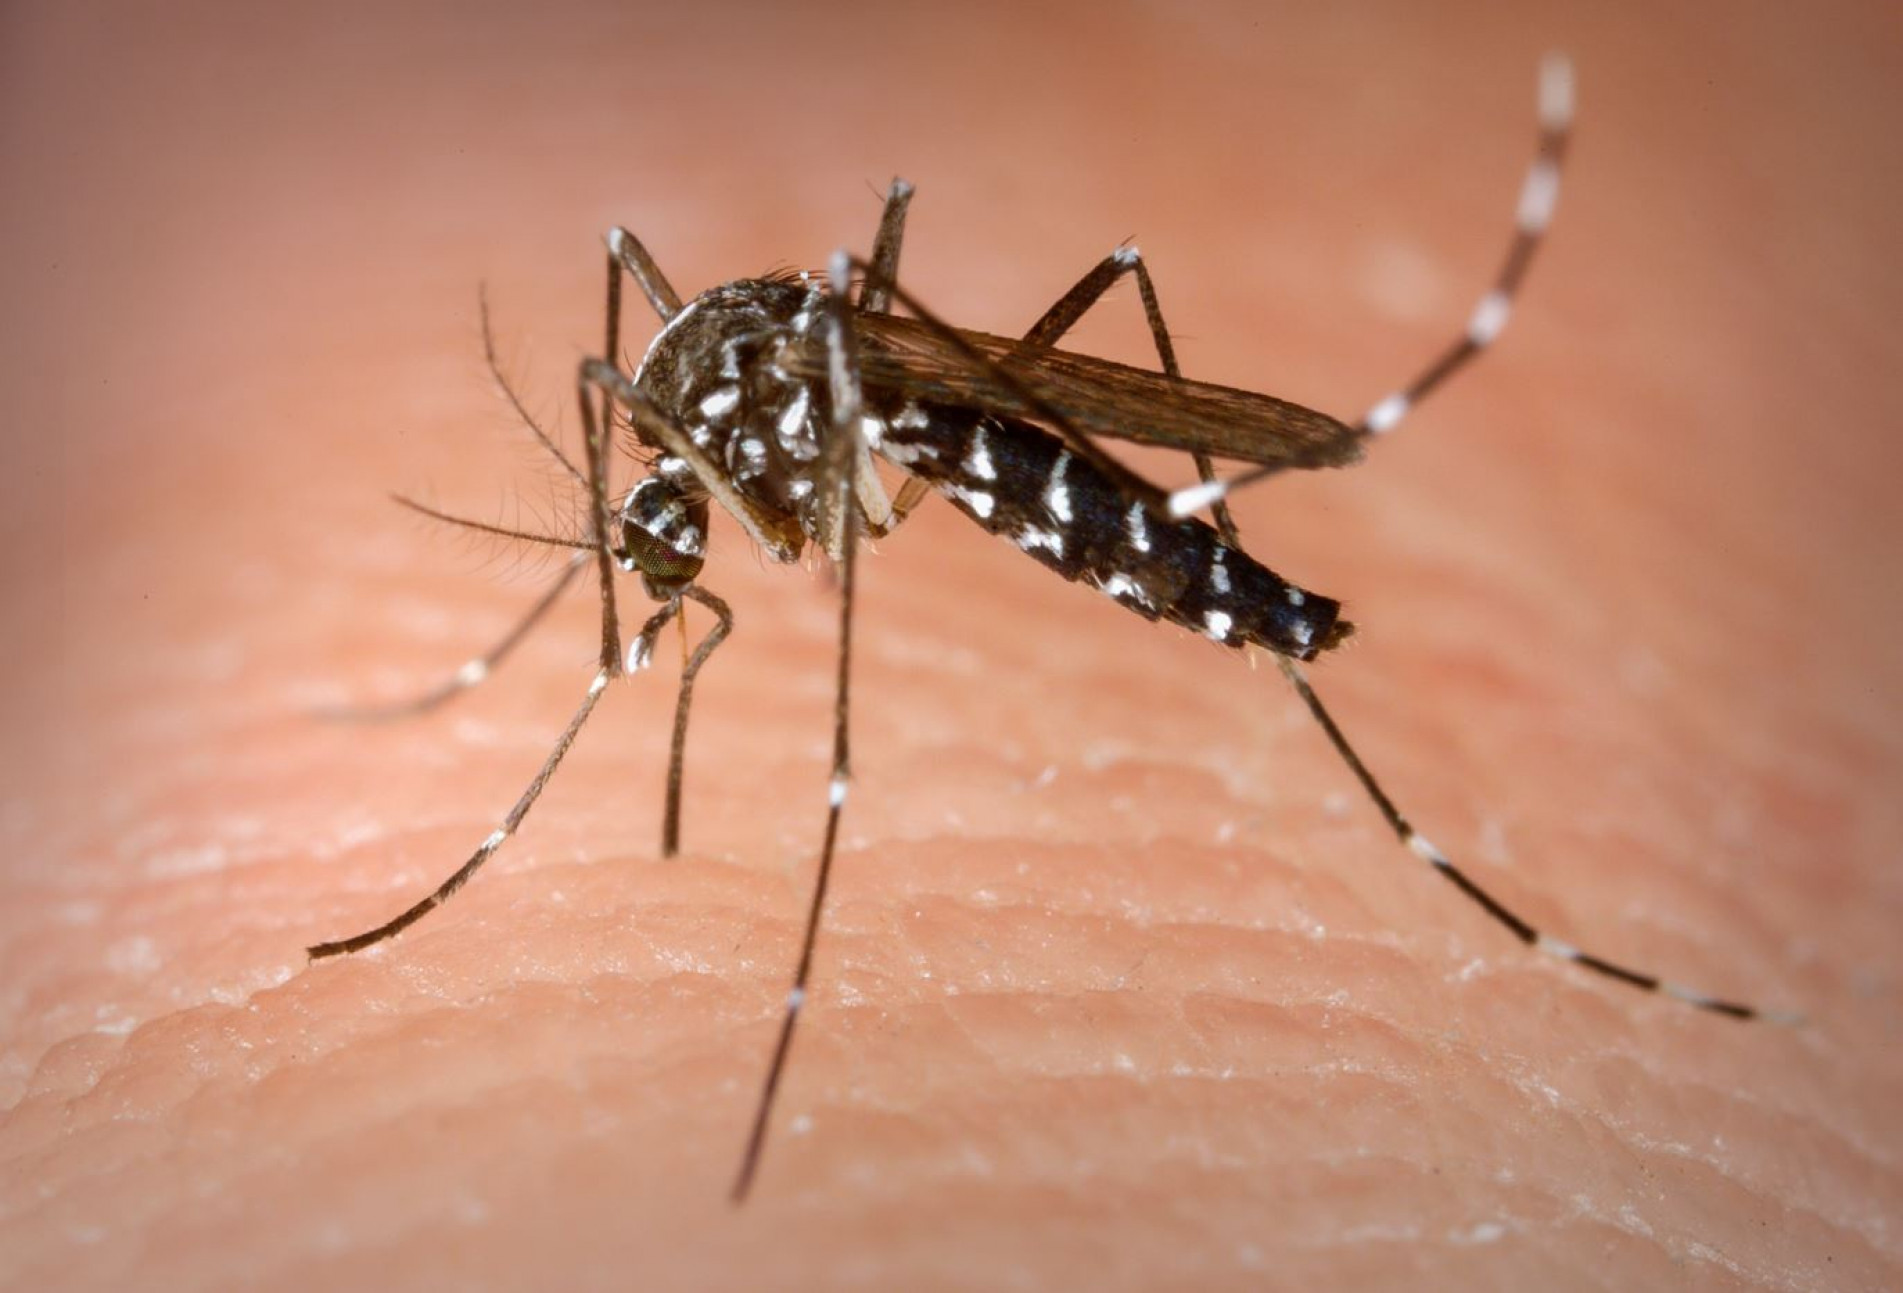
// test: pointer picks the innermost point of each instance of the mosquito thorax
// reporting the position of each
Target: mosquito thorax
(663, 534)
(715, 370)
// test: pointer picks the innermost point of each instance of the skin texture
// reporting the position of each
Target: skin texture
(1123, 984)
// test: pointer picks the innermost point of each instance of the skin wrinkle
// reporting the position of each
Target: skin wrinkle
(1153, 1055)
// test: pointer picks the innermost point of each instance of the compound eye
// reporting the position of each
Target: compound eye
(665, 569)
(663, 537)
(651, 556)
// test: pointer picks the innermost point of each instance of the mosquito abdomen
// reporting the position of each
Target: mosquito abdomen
(1017, 480)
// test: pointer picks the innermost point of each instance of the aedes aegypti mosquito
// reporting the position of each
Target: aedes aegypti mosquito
(768, 396)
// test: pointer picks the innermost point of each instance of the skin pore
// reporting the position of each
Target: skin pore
(1123, 982)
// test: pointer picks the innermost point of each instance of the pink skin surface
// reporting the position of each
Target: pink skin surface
(1124, 985)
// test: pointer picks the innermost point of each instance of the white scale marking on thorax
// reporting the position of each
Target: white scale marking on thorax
(721, 402)
(793, 417)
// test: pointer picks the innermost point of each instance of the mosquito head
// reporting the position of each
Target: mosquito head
(663, 535)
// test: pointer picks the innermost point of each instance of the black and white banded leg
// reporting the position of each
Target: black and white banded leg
(609, 665)
(1539, 195)
(1419, 845)
(485, 850)
(842, 457)
(1537, 202)
(627, 255)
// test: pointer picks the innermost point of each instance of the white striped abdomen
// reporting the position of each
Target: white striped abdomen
(1017, 480)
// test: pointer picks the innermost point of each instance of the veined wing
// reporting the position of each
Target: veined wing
(907, 357)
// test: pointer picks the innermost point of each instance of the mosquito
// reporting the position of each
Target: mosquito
(770, 396)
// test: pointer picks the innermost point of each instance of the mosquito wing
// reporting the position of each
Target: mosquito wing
(916, 360)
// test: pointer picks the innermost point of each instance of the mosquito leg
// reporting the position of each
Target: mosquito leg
(1046, 332)
(1074, 304)
(1062, 316)
(640, 655)
(1539, 195)
(625, 252)
(875, 296)
(911, 494)
(1420, 847)
(598, 521)
(677, 754)
(610, 666)
(627, 255)
(447, 888)
(473, 671)
(843, 460)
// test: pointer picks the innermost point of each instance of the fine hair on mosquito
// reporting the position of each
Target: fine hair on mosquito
(770, 397)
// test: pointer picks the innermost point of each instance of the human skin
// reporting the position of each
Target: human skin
(1123, 984)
